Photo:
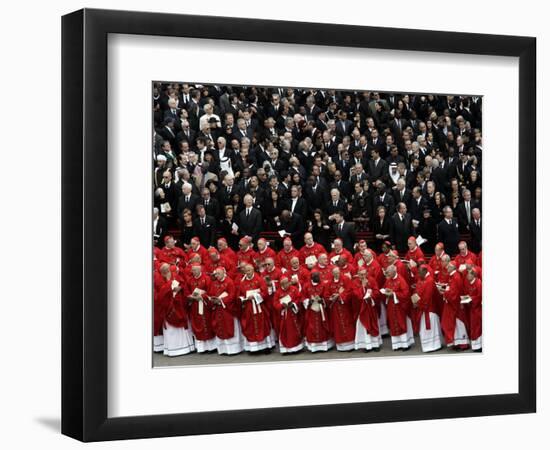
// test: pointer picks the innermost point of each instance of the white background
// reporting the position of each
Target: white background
(135, 389)
(30, 247)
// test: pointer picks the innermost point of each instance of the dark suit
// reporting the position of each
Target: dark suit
(346, 234)
(417, 207)
(377, 171)
(250, 225)
(388, 203)
(344, 187)
(205, 232)
(449, 235)
(300, 208)
(341, 206)
(462, 215)
(475, 233)
(405, 198)
(190, 204)
(295, 227)
(401, 230)
(212, 208)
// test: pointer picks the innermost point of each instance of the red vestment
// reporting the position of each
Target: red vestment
(360, 256)
(340, 312)
(324, 272)
(452, 308)
(383, 260)
(427, 291)
(437, 266)
(222, 315)
(173, 256)
(397, 312)
(468, 258)
(201, 251)
(416, 255)
(268, 252)
(284, 257)
(230, 256)
(342, 253)
(316, 329)
(314, 250)
(255, 321)
(201, 324)
(302, 275)
(289, 318)
(474, 291)
(248, 256)
(168, 307)
(367, 310)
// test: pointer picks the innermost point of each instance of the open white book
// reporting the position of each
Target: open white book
(311, 260)
(285, 300)
(465, 299)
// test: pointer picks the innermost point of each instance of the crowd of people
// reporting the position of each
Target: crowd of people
(316, 168)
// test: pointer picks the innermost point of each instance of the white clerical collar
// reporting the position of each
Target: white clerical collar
(395, 276)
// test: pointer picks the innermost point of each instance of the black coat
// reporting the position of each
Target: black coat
(475, 233)
(449, 235)
(401, 230)
(205, 232)
(184, 204)
(347, 234)
(250, 225)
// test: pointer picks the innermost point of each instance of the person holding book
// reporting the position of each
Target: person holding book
(454, 318)
(367, 328)
(286, 305)
(200, 309)
(424, 300)
(317, 333)
(338, 295)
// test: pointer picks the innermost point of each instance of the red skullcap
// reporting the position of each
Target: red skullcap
(362, 241)
(388, 243)
(168, 237)
(412, 238)
(222, 239)
(440, 244)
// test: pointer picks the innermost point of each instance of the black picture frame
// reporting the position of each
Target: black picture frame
(84, 224)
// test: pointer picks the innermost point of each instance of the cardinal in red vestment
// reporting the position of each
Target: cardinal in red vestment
(453, 319)
(310, 248)
(171, 254)
(338, 294)
(339, 251)
(323, 267)
(367, 296)
(398, 305)
(227, 252)
(316, 322)
(264, 252)
(255, 322)
(286, 303)
(200, 309)
(425, 311)
(226, 309)
(196, 247)
(246, 255)
(472, 288)
(286, 254)
(170, 314)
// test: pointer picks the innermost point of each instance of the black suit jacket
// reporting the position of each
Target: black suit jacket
(344, 187)
(449, 235)
(400, 231)
(416, 209)
(205, 232)
(407, 196)
(388, 203)
(300, 208)
(462, 216)
(251, 225)
(191, 204)
(295, 227)
(377, 171)
(160, 230)
(347, 234)
(475, 233)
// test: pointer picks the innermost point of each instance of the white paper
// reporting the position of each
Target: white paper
(311, 260)
(420, 240)
(234, 227)
(334, 259)
(285, 300)
(282, 233)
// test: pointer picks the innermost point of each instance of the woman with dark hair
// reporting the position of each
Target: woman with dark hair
(360, 207)
(272, 209)
(187, 228)
(440, 202)
(473, 181)
(229, 229)
(380, 227)
(320, 229)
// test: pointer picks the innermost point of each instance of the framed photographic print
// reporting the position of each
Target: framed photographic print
(289, 216)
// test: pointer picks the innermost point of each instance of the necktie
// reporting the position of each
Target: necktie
(202, 221)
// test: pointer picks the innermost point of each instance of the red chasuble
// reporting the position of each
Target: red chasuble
(201, 324)
(427, 291)
(267, 253)
(437, 266)
(290, 320)
(284, 257)
(474, 291)
(173, 256)
(324, 272)
(340, 312)
(416, 255)
(164, 303)
(315, 250)
(367, 308)
(468, 258)
(397, 312)
(230, 256)
(255, 321)
(452, 309)
(222, 315)
(247, 257)
(316, 323)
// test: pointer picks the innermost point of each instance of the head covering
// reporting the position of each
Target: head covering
(412, 239)
(167, 237)
(161, 158)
